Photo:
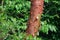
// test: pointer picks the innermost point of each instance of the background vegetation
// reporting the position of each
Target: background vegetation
(15, 13)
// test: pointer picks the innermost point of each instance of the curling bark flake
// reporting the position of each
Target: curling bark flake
(35, 16)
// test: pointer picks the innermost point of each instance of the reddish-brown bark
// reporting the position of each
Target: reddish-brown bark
(35, 16)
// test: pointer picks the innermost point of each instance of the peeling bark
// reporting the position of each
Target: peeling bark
(35, 16)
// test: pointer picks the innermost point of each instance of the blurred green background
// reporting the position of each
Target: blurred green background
(15, 13)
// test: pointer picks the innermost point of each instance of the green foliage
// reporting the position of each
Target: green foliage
(15, 13)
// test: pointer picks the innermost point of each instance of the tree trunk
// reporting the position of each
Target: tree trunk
(35, 16)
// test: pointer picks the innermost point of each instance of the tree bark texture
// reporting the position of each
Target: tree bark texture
(35, 15)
